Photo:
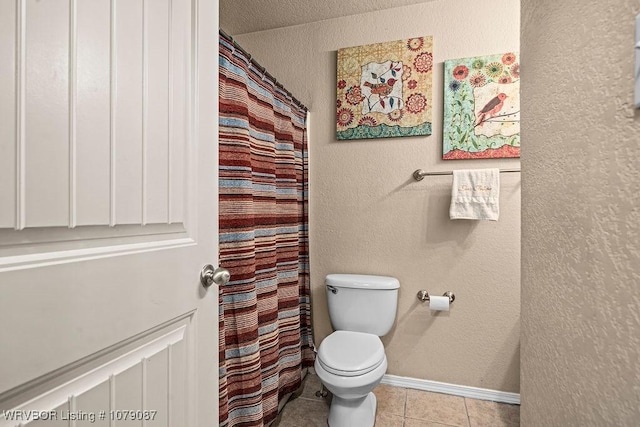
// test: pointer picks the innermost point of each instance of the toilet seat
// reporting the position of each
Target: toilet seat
(349, 354)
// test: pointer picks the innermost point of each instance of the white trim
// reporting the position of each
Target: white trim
(22, 262)
(191, 389)
(112, 399)
(169, 383)
(169, 109)
(453, 389)
(73, 407)
(113, 101)
(145, 382)
(145, 107)
(59, 395)
(21, 96)
(73, 103)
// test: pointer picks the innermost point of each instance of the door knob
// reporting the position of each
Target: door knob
(210, 275)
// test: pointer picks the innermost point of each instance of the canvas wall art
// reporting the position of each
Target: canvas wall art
(385, 89)
(482, 107)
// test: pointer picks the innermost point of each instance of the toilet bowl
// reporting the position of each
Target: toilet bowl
(350, 365)
(351, 361)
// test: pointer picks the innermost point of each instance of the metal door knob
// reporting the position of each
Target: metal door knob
(210, 275)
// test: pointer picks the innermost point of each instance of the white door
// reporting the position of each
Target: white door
(108, 212)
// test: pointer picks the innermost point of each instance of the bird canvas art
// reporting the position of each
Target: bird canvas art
(482, 107)
(381, 86)
(385, 89)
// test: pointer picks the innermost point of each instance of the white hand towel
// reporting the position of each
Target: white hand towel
(475, 194)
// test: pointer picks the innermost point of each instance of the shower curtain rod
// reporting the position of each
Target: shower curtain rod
(262, 69)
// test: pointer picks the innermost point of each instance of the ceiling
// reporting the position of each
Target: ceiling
(248, 16)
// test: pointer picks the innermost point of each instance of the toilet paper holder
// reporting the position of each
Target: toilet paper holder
(424, 296)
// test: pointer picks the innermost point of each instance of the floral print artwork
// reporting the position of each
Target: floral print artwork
(384, 89)
(482, 107)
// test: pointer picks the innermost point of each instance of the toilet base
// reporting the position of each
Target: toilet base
(353, 412)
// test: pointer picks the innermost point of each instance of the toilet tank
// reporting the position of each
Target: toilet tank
(362, 303)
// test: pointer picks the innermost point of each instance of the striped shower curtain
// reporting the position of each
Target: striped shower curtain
(265, 310)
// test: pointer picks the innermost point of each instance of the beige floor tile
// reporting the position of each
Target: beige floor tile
(492, 414)
(436, 407)
(312, 384)
(303, 413)
(409, 422)
(388, 420)
(391, 400)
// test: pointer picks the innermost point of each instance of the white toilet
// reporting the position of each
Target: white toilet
(351, 361)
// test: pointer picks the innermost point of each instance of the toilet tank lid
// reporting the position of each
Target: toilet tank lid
(362, 281)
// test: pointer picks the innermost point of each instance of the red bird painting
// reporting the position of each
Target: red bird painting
(491, 109)
(381, 89)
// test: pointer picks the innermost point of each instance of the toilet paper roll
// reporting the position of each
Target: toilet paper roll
(439, 303)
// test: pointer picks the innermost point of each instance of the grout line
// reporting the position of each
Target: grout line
(433, 423)
(406, 397)
(310, 399)
(467, 411)
(404, 409)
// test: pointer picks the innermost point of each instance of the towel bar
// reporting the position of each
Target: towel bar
(420, 174)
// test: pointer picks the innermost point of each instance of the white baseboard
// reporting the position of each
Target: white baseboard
(453, 389)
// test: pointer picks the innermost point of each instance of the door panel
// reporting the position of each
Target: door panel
(108, 209)
(97, 136)
(147, 372)
(44, 113)
(92, 108)
(7, 113)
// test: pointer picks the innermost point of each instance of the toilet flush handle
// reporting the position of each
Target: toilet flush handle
(333, 289)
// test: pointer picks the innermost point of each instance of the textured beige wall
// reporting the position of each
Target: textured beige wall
(367, 215)
(581, 215)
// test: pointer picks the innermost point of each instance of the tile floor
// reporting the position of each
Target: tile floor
(401, 407)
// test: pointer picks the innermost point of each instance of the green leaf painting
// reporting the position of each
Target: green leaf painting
(482, 107)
